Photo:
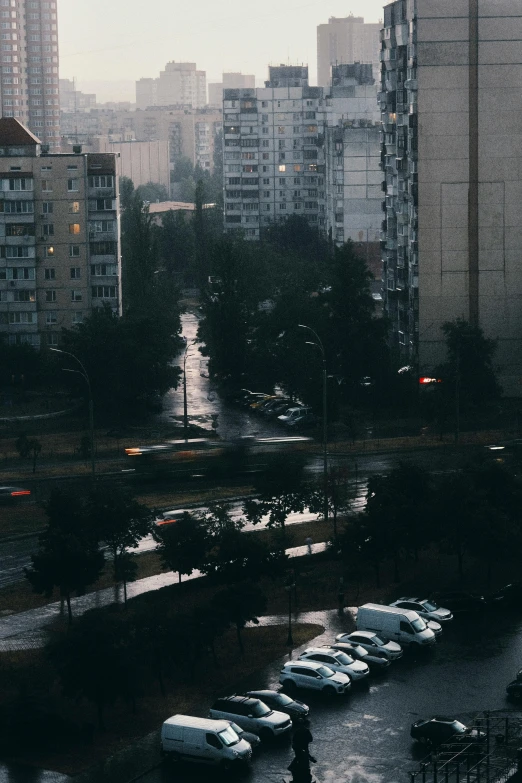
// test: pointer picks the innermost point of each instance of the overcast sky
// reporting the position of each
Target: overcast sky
(126, 39)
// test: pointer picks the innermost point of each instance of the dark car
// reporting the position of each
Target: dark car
(376, 660)
(460, 602)
(253, 740)
(508, 596)
(436, 730)
(276, 700)
(13, 494)
(514, 689)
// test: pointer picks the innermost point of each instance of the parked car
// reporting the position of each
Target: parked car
(372, 641)
(459, 602)
(402, 625)
(514, 689)
(376, 659)
(297, 417)
(338, 661)
(313, 676)
(436, 730)
(427, 609)
(252, 739)
(251, 715)
(276, 700)
(12, 494)
(509, 596)
(259, 402)
(275, 407)
(213, 742)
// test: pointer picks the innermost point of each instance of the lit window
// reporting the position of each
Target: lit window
(282, 167)
(74, 228)
(74, 207)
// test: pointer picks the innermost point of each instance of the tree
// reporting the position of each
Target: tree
(183, 168)
(341, 495)
(468, 371)
(176, 243)
(126, 192)
(121, 522)
(96, 660)
(69, 556)
(182, 545)
(152, 192)
(240, 606)
(128, 360)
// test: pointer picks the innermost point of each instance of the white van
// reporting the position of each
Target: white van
(203, 740)
(400, 625)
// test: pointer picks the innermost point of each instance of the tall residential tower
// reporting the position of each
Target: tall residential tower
(346, 40)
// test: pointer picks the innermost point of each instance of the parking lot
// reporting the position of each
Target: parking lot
(365, 737)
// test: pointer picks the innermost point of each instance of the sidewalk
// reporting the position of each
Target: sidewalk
(26, 630)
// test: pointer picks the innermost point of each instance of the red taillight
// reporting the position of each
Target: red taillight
(161, 522)
(19, 492)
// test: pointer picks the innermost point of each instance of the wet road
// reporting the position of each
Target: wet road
(365, 737)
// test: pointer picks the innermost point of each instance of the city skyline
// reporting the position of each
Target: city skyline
(88, 51)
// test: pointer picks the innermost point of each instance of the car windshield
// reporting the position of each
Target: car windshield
(380, 640)
(260, 710)
(418, 624)
(458, 727)
(343, 659)
(283, 700)
(324, 671)
(431, 606)
(228, 737)
(360, 651)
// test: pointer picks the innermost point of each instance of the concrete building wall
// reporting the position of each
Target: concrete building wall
(142, 161)
(346, 40)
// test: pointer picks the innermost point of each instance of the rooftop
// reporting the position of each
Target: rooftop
(13, 133)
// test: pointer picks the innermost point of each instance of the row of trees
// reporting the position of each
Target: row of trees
(472, 512)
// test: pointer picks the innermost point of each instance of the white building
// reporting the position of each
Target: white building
(273, 159)
(180, 84)
(346, 40)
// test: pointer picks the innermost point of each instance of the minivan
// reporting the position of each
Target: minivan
(213, 742)
(401, 625)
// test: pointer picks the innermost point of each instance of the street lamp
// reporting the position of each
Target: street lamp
(185, 408)
(318, 344)
(83, 373)
(289, 587)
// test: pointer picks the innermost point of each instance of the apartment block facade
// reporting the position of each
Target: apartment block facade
(273, 160)
(229, 81)
(29, 87)
(346, 40)
(452, 140)
(178, 83)
(59, 237)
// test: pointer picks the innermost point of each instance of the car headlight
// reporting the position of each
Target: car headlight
(235, 753)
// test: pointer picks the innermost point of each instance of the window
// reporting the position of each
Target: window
(101, 270)
(47, 186)
(48, 229)
(102, 181)
(25, 296)
(20, 230)
(103, 248)
(52, 339)
(77, 318)
(21, 184)
(282, 167)
(103, 226)
(20, 318)
(51, 317)
(76, 296)
(74, 207)
(76, 272)
(74, 251)
(17, 207)
(266, 181)
(50, 273)
(102, 204)
(74, 228)
(104, 292)
(282, 206)
(266, 155)
(72, 185)
(47, 207)
(50, 295)
(17, 252)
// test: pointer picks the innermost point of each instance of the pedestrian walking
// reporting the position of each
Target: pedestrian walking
(309, 542)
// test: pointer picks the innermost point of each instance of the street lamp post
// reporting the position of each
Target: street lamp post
(319, 344)
(289, 587)
(83, 373)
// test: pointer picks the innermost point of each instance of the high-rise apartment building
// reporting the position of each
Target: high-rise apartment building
(352, 155)
(230, 81)
(178, 84)
(452, 135)
(273, 161)
(59, 237)
(346, 40)
(29, 87)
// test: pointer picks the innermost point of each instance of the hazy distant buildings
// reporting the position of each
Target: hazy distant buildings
(29, 66)
(178, 84)
(73, 100)
(346, 40)
(230, 81)
(272, 158)
(452, 139)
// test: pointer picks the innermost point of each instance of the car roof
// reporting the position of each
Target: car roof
(238, 699)
(325, 648)
(365, 634)
(262, 694)
(304, 664)
(207, 724)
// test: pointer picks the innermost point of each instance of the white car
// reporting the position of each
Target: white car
(252, 715)
(314, 676)
(428, 610)
(376, 659)
(338, 661)
(295, 415)
(371, 641)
